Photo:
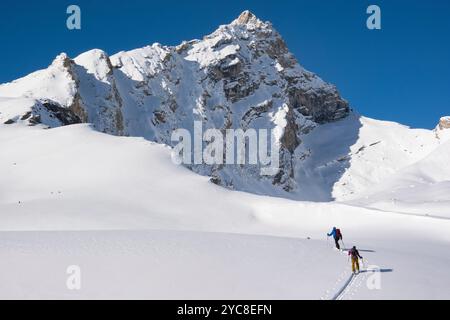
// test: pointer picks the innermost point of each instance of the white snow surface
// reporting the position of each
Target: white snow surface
(174, 234)
(53, 83)
(106, 195)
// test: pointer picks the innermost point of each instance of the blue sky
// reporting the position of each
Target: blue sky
(400, 73)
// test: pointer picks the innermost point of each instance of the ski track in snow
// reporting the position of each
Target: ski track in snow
(339, 294)
(346, 288)
(357, 280)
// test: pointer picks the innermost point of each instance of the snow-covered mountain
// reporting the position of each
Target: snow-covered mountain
(143, 227)
(239, 77)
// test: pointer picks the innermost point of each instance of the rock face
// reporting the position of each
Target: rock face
(239, 77)
(444, 123)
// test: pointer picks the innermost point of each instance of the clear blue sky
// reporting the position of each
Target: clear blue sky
(401, 73)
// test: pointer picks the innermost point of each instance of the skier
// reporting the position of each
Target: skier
(354, 253)
(337, 235)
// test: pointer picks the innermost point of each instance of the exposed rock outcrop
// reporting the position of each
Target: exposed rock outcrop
(444, 123)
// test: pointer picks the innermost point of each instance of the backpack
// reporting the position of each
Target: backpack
(353, 253)
(338, 234)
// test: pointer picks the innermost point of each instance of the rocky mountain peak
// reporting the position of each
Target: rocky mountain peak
(242, 76)
(62, 60)
(444, 123)
(247, 18)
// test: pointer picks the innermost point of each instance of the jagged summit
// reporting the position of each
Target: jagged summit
(444, 123)
(246, 18)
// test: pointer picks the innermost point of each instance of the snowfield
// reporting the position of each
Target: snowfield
(165, 265)
(87, 180)
(174, 234)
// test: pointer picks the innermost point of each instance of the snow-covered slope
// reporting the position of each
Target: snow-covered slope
(73, 193)
(165, 265)
(73, 178)
(419, 177)
(421, 188)
(366, 153)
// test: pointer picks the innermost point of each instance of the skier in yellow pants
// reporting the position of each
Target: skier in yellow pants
(354, 254)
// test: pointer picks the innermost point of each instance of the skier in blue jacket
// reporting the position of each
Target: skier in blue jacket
(337, 235)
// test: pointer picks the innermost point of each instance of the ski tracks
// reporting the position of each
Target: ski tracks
(347, 285)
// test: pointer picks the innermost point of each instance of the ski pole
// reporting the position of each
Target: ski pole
(343, 244)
